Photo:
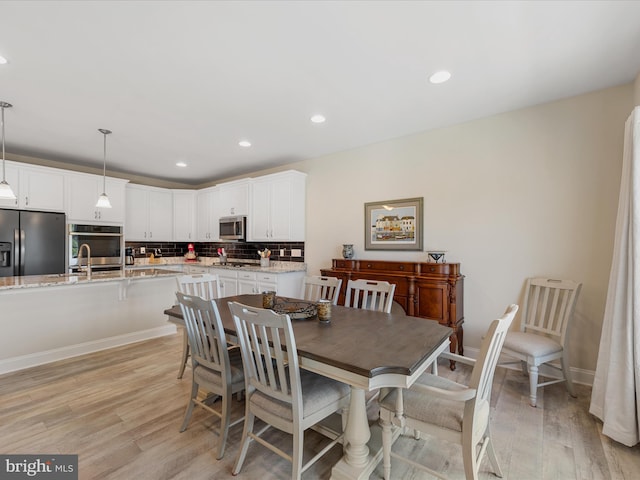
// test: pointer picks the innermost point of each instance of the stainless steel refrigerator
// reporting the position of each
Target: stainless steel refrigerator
(32, 243)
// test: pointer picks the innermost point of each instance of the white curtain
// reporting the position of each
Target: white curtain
(615, 398)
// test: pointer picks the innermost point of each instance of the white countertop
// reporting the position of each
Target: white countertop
(254, 266)
(58, 279)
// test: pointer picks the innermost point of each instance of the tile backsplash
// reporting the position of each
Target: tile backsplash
(234, 250)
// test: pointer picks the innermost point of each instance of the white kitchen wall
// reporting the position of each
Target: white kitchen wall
(529, 192)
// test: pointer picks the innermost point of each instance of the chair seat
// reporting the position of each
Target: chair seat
(429, 408)
(531, 344)
(317, 393)
(204, 375)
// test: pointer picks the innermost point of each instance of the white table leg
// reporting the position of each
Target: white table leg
(356, 459)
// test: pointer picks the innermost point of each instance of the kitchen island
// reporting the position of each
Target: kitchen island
(51, 317)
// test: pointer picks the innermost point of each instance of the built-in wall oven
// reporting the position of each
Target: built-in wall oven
(105, 242)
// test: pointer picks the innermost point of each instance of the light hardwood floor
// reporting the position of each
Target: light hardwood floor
(120, 410)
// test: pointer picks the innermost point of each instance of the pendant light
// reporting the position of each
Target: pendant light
(103, 200)
(5, 189)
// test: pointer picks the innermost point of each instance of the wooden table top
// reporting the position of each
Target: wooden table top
(363, 342)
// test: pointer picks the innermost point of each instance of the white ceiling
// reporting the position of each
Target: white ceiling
(180, 80)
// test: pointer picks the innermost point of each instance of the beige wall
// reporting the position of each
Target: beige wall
(637, 90)
(529, 192)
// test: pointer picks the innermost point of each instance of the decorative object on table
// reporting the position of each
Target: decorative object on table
(190, 256)
(223, 256)
(436, 256)
(347, 250)
(264, 257)
(393, 225)
(268, 299)
(296, 310)
(324, 310)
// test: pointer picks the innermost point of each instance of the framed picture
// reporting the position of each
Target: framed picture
(393, 225)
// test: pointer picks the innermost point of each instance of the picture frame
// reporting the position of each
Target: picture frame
(393, 224)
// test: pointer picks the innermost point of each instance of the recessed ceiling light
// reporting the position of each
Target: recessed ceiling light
(318, 119)
(181, 164)
(244, 143)
(440, 77)
(3, 60)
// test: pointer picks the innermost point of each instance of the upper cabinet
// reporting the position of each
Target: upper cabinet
(184, 203)
(149, 214)
(234, 198)
(13, 179)
(82, 191)
(278, 207)
(207, 227)
(41, 189)
(36, 188)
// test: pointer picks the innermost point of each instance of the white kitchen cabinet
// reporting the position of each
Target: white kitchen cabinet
(257, 282)
(12, 176)
(184, 203)
(149, 214)
(247, 283)
(82, 192)
(36, 188)
(278, 207)
(241, 282)
(234, 198)
(207, 227)
(41, 189)
(268, 282)
(228, 281)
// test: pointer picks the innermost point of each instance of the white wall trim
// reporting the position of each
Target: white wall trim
(39, 358)
(578, 375)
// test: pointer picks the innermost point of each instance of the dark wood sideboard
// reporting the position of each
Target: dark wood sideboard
(429, 290)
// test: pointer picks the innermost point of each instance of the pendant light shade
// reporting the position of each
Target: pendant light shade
(103, 199)
(5, 188)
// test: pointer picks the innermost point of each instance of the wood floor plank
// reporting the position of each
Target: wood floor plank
(121, 409)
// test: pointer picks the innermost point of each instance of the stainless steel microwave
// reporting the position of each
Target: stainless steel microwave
(233, 228)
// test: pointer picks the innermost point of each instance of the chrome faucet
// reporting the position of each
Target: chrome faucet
(88, 269)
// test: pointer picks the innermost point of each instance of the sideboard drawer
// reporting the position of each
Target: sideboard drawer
(439, 268)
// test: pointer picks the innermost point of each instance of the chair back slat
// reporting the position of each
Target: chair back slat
(484, 369)
(370, 295)
(204, 285)
(548, 306)
(205, 333)
(269, 353)
(316, 288)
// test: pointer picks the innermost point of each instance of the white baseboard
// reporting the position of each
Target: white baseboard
(578, 375)
(39, 358)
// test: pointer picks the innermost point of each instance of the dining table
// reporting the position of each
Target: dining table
(365, 349)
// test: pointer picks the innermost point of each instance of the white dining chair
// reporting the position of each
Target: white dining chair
(203, 285)
(450, 411)
(370, 295)
(277, 391)
(317, 287)
(547, 313)
(216, 369)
